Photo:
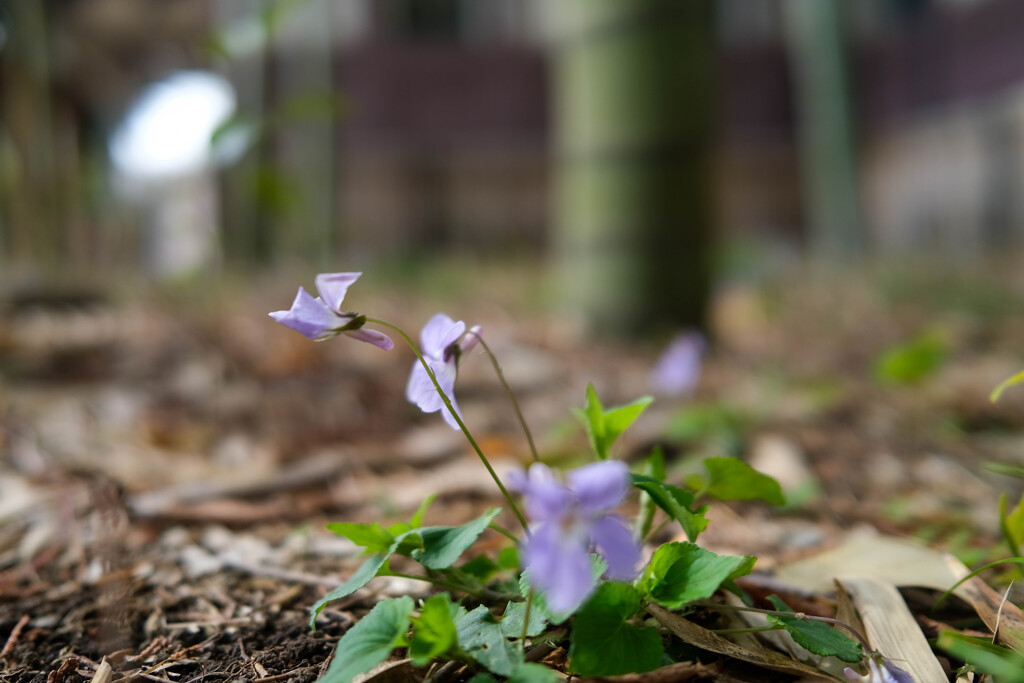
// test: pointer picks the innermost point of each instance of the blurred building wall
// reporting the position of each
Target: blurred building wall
(444, 134)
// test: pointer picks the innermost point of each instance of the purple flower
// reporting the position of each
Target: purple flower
(678, 370)
(880, 670)
(439, 344)
(322, 318)
(570, 521)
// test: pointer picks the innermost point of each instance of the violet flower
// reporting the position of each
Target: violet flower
(570, 522)
(880, 670)
(439, 344)
(678, 369)
(322, 318)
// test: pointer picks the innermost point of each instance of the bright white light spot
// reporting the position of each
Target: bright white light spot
(167, 130)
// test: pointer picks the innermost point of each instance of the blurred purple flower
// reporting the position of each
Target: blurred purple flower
(880, 670)
(439, 344)
(678, 370)
(570, 522)
(322, 318)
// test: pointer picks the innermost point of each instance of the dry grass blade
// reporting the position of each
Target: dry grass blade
(1003, 617)
(891, 628)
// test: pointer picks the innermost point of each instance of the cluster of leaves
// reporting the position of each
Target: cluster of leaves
(501, 624)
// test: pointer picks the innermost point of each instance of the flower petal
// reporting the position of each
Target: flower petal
(677, 372)
(378, 339)
(439, 332)
(447, 415)
(559, 567)
(545, 498)
(310, 317)
(332, 288)
(616, 545)
(600, 486)
(421, 390)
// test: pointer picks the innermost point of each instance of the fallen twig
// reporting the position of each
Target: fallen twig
(12, 639)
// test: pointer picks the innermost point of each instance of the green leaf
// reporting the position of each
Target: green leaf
(1005, 665)
(508, 558)
(480, 635)
(512, 621)
(433, 631)
(605, 426)
(683, 572)
(913, 361)
(373, 537)
(417, 518)
(360, 578)
(1004, 385)
(1006, 468)
(817, 636)
(371, 640)
(442, 545)
(676, 502)
(733, 479)
(604, 643)
(435, 547)
(480, 568)
(1012, 524)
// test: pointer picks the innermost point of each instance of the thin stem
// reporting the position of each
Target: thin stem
(441, 583)
(526, 618)
(752, 629)
(458, 420)
(796, 615)
(511, 395)
(503, 531)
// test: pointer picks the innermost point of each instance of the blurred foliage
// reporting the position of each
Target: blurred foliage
(913, 361)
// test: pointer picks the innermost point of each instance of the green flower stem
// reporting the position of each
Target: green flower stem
(511, 395)
(503, 531)
(752, 629)
(462, 425)
(526, 618)
(796, 615)
(441, 583)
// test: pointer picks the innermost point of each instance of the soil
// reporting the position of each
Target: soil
(166, 471)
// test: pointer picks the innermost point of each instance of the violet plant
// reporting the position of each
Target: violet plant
(574, 576)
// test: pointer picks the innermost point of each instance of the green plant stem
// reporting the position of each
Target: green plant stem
(458, 420)
(752, 629)
(511, 395)
(441, 583)
(503, 531)
(526, 618)
(796, 615)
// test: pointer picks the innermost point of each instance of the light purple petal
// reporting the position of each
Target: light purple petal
(559, 567)
(421, 390)
(378, 339)
(616, 545)
(447, 414)
(678, 370)
(309, 317)
(544, 497)
(439, 332)
(332, 287)
(472, 338)
(419, 386)
(600, 486)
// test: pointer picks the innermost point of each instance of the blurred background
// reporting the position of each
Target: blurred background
(632, 150)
